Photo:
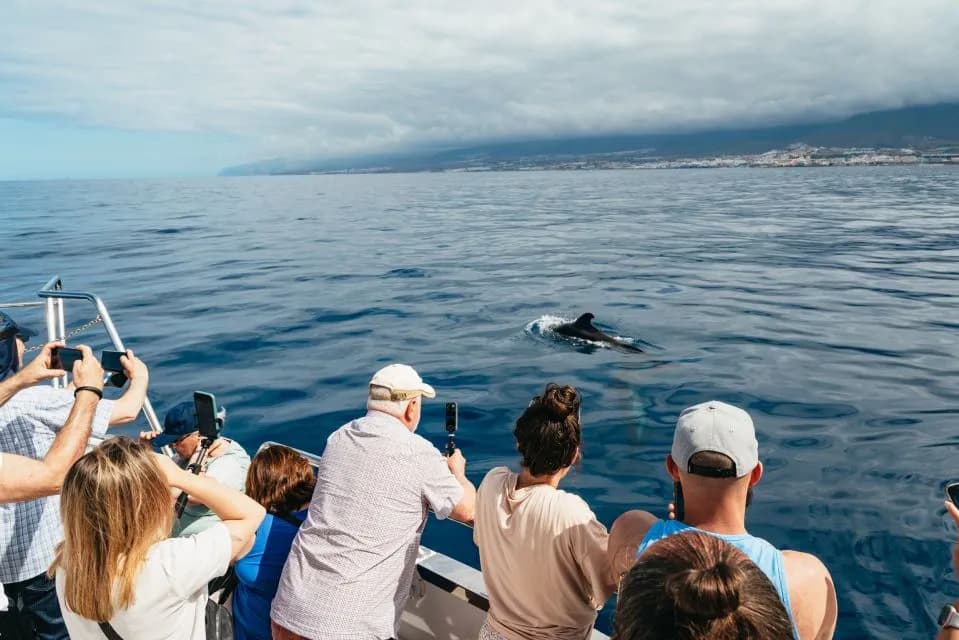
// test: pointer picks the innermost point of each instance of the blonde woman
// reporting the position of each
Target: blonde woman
(116, 563)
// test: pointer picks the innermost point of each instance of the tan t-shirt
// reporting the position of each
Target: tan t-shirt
(543, 555)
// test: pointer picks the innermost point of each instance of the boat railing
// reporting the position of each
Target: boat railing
(53, 297)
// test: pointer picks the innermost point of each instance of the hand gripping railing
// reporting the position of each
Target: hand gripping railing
(54, 295)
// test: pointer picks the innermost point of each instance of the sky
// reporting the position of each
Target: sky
(127, 88)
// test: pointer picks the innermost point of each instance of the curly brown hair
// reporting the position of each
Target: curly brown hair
(280, 479)
(548, 433)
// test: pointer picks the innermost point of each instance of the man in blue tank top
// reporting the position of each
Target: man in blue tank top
(714, 465)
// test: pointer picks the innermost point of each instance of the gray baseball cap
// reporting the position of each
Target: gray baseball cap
(718, 427)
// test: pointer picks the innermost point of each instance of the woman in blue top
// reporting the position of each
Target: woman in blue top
(282, 481)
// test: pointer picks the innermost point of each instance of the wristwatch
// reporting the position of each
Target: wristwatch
(949, 617)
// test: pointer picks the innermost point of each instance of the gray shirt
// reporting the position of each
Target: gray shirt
(351, 565)
(229, 469)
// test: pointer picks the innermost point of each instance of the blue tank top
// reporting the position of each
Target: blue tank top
(767, 557)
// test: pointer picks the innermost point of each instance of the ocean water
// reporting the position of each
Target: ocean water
(825, 302)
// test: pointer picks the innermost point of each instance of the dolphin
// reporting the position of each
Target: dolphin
(584, 330)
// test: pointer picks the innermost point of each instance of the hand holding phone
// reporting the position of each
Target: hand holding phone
(952, 493)
(110, 361)
(452, 421)
(64, 358)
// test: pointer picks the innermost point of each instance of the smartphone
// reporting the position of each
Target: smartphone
(679, 507)
(952, 492)
(452, 417)
(110, 361)
(205, 406)
(64, 357)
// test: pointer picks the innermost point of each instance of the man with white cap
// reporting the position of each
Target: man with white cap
(352, 563)
(714, 465)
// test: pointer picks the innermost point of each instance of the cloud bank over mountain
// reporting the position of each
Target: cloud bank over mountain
(324, 78)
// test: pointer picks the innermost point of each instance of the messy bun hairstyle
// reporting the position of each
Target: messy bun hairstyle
(694, 586)
(548, 434)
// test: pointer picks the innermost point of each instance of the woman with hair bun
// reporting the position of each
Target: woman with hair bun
(542, 551)
(694, 586)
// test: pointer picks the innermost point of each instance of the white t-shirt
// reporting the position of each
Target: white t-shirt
(171, 591)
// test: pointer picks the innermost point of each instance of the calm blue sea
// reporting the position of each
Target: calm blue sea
(824, 301)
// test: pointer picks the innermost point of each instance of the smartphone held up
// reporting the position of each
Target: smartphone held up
(952, 493)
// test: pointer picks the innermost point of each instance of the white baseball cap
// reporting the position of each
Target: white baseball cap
(718, 427)
(402, 381)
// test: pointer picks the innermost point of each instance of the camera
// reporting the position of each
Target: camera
(452, 418)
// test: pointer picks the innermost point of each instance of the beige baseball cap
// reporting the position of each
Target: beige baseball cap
(402, 381)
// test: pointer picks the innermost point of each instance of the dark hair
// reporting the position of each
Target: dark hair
(548, 434)
(693, 586)
(280, 479)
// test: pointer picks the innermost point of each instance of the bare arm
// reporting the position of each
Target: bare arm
(952, 634)
(127, 407)
(23, 478)
(625, 536)
(465, 509)
(240, 513)
(37, 371)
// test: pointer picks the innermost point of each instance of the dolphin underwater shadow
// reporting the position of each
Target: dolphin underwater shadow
(582, 329)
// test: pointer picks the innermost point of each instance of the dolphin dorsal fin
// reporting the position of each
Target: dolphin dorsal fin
(585, 321)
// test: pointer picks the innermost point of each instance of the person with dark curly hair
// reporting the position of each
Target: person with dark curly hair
(694, 586)
(542, 550)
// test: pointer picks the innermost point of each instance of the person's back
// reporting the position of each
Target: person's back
(351, 565)
(714, 464)
(282, 481)
(116, 563)
(544, 558)
(542, 551)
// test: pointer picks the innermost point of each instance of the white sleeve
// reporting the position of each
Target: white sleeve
(191, 562)
(440, 488)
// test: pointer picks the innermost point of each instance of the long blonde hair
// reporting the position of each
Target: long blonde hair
(115, 505)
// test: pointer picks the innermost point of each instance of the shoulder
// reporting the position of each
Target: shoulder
(812, 594)
(805, 570)
(573, 508)
(495, 475)
(41, 396)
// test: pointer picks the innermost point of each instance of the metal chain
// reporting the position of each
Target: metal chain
(72, 333)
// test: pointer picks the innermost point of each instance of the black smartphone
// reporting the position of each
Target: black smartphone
(110, 361)
(452, 417)
(679, 507)
(205, 406)
(952, 492)
(64, 357)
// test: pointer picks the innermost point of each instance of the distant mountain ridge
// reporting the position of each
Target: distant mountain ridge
(920, 128)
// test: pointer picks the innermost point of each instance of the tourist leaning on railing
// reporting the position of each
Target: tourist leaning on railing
(282, 481)
(116, 563)
(694, 586)
(351, 565)
(29, 423)
(714, 464)
(542, 551)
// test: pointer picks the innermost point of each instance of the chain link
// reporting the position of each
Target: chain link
(72, 333)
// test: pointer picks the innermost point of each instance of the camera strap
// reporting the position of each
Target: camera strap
(109, 631)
